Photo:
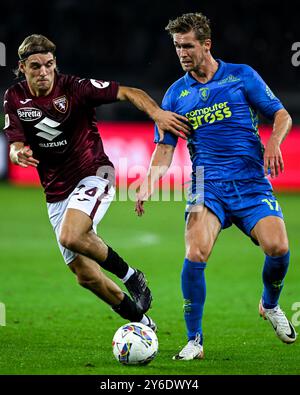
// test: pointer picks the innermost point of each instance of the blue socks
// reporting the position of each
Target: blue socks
(274, 271)
(194, 292)
(194, 289)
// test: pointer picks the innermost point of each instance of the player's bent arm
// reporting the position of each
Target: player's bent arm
(159, 165)
(272, 156)
(160, 161)
(165, 120)
(22, 155)
(281, 126)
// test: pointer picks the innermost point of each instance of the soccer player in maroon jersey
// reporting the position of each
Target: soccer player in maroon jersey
(50, 124)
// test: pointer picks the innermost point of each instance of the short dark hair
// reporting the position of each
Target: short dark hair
(36, 43)
(197, 22)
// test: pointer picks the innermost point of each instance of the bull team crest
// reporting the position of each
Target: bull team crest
(61, 104)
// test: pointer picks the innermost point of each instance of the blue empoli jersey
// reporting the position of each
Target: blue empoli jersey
(223, 113)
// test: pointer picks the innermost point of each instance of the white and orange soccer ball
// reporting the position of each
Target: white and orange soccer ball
(135, 344)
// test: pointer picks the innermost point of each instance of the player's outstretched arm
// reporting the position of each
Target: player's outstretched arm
(22, 155)
(159, 165)
(272, 156)
(165, 120)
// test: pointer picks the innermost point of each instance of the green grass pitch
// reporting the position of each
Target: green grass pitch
(53, 326)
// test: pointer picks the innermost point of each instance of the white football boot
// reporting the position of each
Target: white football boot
(193, 350)
(282, 326)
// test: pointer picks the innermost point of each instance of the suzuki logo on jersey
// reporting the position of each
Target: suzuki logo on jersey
(204, 93)
(48, 129)
(100, 84)
(29, 114)
(211, 114)
(53, 144)
(61, 104)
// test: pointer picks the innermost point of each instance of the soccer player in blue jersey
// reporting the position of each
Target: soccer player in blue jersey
(222, 101)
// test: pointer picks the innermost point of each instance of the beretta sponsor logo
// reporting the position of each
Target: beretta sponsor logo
(29, 113)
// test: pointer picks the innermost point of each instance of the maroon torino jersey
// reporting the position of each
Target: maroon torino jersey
(60, 129)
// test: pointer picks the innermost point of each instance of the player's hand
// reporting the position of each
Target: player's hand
(142, 195)
(168, 121)
(273, 158)
(139, 207)
(25, 158)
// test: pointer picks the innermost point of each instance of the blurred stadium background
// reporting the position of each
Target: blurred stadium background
(126, 41)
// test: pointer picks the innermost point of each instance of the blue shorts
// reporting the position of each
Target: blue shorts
(242, 203)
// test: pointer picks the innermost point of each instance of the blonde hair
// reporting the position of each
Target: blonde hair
(196, 22)
(36, 43)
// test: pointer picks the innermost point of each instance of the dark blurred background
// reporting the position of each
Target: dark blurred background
(126, 41)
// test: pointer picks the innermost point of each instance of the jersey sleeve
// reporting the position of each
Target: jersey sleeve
(260, 95)
(13, 128)
(93, 92)
(169, 138)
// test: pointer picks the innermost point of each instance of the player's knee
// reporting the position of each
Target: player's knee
(69, 240)
(276, 249)
(196, 254)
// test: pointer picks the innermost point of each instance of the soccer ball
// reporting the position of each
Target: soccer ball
(135, 344)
